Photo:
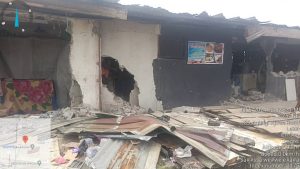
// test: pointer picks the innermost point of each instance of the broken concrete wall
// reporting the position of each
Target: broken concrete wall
(135, 46)
(84, 56)
(37, 58)
(63, 78)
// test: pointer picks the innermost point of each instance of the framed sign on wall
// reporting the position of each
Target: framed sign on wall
(205, 52)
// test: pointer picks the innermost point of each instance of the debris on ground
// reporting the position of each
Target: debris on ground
(122, 107)
(69, 113)
(184, 137)
(251, 95)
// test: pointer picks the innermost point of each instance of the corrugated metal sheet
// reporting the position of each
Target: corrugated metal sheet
(160, 14)
(143, 125)
(140, 125)
(120, 154)
(146, 13)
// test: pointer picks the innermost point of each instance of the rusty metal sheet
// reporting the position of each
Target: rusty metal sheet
(140, 125)
(118, 154)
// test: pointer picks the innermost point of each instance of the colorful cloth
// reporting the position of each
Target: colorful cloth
(29, 96)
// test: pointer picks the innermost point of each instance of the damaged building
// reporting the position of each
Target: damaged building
(140, 87)
(140, 56)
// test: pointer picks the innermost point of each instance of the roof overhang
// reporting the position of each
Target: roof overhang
(76, 8)
(256, 31)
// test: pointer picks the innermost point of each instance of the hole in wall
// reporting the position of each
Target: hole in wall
(116, 78)
(285, 58)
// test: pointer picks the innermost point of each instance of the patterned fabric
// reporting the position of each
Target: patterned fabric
(29, 96)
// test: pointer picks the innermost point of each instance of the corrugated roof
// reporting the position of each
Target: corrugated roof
(119, 154)
(160, 14)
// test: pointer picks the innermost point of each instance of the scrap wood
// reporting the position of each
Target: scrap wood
(245, 154)
(190, 163)
(242, 140)
(209, 114)
(244, 114)
(235, 147)
(219, 108)
(207, 162)
(215, 112)
(187, 109)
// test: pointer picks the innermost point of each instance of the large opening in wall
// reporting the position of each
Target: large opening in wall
(248, 74)
(117, 79)
(284, 64)
(285, 58)
(34, 66)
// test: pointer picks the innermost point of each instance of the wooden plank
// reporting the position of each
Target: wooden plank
(219, 107)
(241, 140)
(206, 161)
(250, 115)
(190, 163)
(235, 147)
(245, 154)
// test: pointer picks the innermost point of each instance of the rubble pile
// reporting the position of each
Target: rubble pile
(124, 108)
(253, 95)
(184, 137)
(69, 113)
(179, 138)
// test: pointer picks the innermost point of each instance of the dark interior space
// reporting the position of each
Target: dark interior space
(118, 80)
(181, 84)
(248, 67)
(285, 58)
(35, 54)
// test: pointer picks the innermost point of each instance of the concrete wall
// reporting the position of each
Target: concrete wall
(135, 46)
(84, 55)
(63, 77)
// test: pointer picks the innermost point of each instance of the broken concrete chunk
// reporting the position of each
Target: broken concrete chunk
(181, 153)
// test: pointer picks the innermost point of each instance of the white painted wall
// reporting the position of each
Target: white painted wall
(84, 55)
(134, 45)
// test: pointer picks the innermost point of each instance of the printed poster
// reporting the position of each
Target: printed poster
(205, 52)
